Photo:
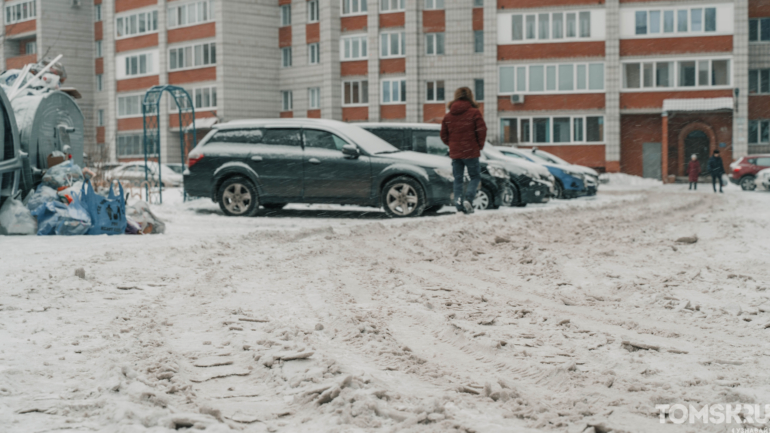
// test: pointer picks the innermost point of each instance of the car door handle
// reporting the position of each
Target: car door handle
(313, 161)
(256, 158)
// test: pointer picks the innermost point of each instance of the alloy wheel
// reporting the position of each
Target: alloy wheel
(237, 199)
(482, 200)
(402, 199)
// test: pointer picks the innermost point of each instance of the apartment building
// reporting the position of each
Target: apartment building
(619, 85)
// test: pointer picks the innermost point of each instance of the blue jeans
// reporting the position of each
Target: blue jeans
(474, 171)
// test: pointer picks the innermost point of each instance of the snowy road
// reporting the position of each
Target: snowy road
(576, 314)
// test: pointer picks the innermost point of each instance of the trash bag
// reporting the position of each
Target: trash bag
(108, 214)
(41, 196)
(141, 213)
(63, 175)
(132, 227)
(55, 218)
(16, 219)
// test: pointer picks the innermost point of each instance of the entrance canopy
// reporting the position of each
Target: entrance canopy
(698, 104)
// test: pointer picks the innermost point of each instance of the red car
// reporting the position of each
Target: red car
(744, 170)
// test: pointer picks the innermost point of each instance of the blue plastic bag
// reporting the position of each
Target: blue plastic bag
(48, 216)
(41, 196)
(108, 214)
(55, 218)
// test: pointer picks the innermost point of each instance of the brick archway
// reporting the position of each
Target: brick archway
(690, 127)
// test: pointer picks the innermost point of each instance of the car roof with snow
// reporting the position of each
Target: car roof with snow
(400, 125)
(282, 123)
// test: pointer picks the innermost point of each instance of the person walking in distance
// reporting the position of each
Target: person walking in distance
(693, 171)
(716, 169)
(464, 131)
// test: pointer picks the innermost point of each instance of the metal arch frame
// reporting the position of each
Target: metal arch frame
(151, 124)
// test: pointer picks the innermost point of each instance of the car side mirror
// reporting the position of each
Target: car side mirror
(350, 150)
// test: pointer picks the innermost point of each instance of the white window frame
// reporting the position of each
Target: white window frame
(140, 98)
(314, 98)
(193, 92)
(434, 5)
(760, 125)
(98, 49)
(361, 93)
(125, 134)
(152, 63)
(758, 72)
(390, 6)
(435, 36)
(662, 33)
(32, 45)
(314, 53)
(435, 84)
(313, 12)
(205, 47)
(125, 17)
(354, 7)
(761, 22)
(14, 12)
(386, 39)
(363, 45)
(287, 100)
(676, 77)
(205, 7)
(582, 118)
(97, 13)
(285, 15)
(287, 55)
(527, 68)
(550, 30)
(401, 91)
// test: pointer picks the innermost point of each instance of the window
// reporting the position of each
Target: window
(759, 81)
(393, 44)
(641, 22)
(130, 106)
(561, 78)
(100, 117)
(99, 82)
(97, 12)
(689, 74)
(286, 57)
(239, 136)
(285, 15)
(283, 137)
(355, 93)
(323, 140)
(191, 13)
(681, 21)
(314, 51)
(22, 11)
(391, 5)
(434, 44)
(759, 131)
(30, 47)
(203, 98)
(558, 129)
(435, 91)
(547, 26)
(695, 20)
(478, 3)
(759, 30)
(354, 7)
(133, 145)
(136, 65)
(136, 24)
(478, 89)
(393, 91)
(98, 49)
(312, 11)
(478, 41)
(314, 98)
(354, 48)
(434, 4)
(287, 100)
(192, 56)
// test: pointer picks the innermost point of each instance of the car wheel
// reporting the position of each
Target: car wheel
(558, 190)
(238, 197)
(484, 199)
(747, 183)
(433, 209)
(274, 206)
(403, 197)
(508, 196)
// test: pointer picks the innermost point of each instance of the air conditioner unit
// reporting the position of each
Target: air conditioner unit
(517, 99)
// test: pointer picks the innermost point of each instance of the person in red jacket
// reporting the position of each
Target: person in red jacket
(464, 131)
(693, 171)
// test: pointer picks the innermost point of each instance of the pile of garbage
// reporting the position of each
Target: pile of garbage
(66, 204)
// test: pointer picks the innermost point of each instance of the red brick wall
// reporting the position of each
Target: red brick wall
(98, 31)
(99, 65)
(550, 51)
(313, 33)
(478, 19)
(586, 101)
(634, 131)
(284, 2)
(350, 24)
(433, 113)
(287, 114)
(722, 126)
(759, 8)
(284, 36)
(193, 75)
(655, 99)
(351, 114)
(206, 30)
(519, 4)
(704, 44)
(358, 67)
(314, 114)
(395, 19)
(173, 118)
(18, 62)
(589, 155)
(125, 5)
(393, 66)
(759, 107)
(433, 21)
(135, 43)
(19, 28)
(391, 112)
(100, 134)
(131, 124)
(141, 83)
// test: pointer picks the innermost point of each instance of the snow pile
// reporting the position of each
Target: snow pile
(627, 181)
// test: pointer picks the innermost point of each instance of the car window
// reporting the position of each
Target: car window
(392, 136)
(763, 162)
(429, 142)
(283, 137)
(323, 140)
(241, 136)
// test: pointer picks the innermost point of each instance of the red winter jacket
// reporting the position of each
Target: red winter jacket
(693, 170)
(464, 131)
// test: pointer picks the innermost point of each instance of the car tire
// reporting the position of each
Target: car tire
(238, 197)
(508, 196)
(748, 184)
(274, 206)
(433, 209)
(403, 197)
(558, 190)
(484, 199)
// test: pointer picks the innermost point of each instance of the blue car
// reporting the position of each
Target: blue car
(570, 181)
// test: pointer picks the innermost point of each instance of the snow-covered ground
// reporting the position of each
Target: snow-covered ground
(325, 318)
